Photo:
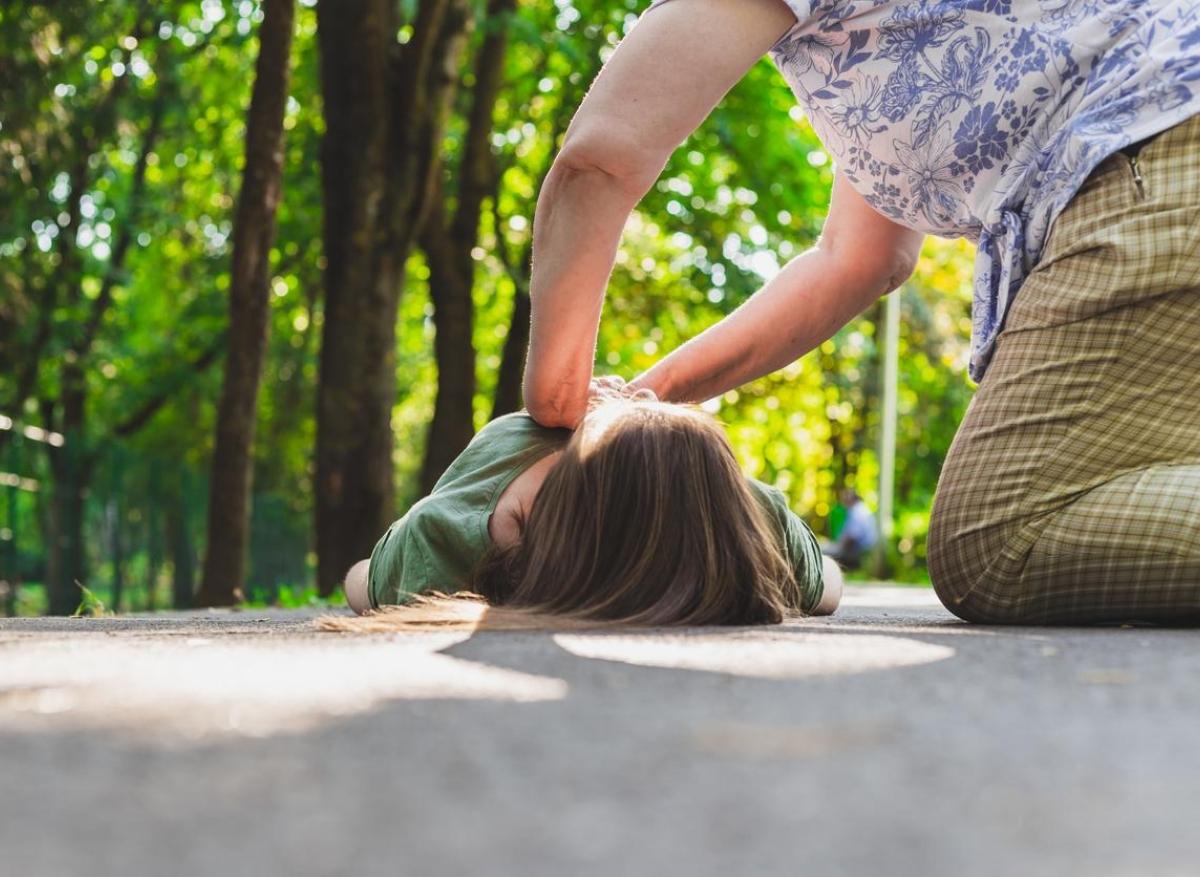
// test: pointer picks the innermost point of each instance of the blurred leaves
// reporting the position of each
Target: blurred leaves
(740, 197)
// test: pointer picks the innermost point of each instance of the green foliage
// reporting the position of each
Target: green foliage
(745, 193)
(90, 605)
(296, 597)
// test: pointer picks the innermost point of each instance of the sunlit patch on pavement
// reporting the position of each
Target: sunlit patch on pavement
(890, 597)
(766, 655)
(197, 687)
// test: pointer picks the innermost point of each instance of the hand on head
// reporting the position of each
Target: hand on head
(614, 387)
(645, 518)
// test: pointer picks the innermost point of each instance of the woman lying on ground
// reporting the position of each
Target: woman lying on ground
(640, 516)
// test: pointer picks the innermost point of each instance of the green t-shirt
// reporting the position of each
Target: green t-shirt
(443, 536)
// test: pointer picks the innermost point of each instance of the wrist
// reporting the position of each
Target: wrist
(658, 379)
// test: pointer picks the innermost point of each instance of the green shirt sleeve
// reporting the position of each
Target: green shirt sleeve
(800, 544)
(398, 565)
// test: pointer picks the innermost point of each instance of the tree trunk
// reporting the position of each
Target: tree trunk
(113, 513)
(451, 278)
(507, 397)
(183, 560)
(249, 312)
(448, 248)
(385, 108)
(12, 556)
(71, 464)
(153, 555)
(70, 476)
(47, 513)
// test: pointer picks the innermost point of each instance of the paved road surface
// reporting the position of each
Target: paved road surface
(891, 739)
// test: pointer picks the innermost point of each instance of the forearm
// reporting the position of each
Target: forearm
(577, 227)
(806, 303)
(654, 90)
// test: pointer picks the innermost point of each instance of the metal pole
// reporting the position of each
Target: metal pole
(887, 433)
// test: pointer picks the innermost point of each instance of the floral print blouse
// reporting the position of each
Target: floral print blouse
(982, 118)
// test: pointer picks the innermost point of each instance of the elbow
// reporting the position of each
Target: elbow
(610, 157)
(883, 272)
(550, 411)
(895, 271)
(556, 385)
(546, 415)
(876, 272)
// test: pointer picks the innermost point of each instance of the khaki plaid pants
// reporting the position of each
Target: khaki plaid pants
(1071, 493)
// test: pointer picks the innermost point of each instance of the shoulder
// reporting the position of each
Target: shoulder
(515, 433)
(503, 447)
(397, 567)
(441, 537)
(519, 424)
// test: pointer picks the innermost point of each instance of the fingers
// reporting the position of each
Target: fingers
(614, 387)
(614, 382)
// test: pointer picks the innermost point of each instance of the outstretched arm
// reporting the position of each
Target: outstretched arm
(860, 256)
(664, 78)
(831, 597)
(357, 586)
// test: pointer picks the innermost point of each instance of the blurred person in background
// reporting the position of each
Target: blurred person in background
(856, 536)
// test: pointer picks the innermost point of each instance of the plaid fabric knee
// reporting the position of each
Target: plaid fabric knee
(1071, 493)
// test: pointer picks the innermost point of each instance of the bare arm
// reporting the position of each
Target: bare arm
(652, 93)
(860, 256)
(831, 595)
(357, 586)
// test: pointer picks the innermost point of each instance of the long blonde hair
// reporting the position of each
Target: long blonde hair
(645, 519)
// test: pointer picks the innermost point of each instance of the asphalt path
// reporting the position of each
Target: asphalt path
(889, 739)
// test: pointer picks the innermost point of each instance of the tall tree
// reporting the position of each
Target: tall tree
(72, 463)
(386, 104)
(449, 242)
(249, 309)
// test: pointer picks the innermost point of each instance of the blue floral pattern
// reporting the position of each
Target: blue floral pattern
(982, 118)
